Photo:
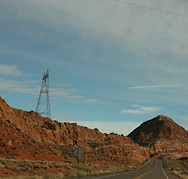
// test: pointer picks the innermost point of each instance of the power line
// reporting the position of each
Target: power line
(150, 8)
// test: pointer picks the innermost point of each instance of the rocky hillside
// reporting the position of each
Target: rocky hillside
(28, 135)
(163, 137)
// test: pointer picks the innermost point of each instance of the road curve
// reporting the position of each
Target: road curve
(155, 170)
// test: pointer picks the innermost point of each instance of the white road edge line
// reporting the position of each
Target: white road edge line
(163, 171)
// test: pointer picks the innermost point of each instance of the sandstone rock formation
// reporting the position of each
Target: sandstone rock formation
(28, 135)
(163, 137)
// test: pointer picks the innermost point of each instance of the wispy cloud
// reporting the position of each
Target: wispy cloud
(15, 86)
(97, 101)
(155, 86)
(59, 92)
(11, 70)
(32, 87)
(65, 90)
(137, 109)
(72, 94)
(74, 97)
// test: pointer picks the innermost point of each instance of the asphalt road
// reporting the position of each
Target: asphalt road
(155, 170)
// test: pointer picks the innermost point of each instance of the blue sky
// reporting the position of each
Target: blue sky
(113, 64)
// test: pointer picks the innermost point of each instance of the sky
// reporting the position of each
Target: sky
(113, 64)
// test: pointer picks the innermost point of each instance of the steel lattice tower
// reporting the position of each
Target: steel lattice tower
(43, 104)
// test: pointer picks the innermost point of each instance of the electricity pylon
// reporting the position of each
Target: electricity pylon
(43, 104)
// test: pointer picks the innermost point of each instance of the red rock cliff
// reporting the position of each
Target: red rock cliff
(28, 135)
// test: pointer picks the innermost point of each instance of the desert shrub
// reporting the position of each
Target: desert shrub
(94, 144)
(49, 126)
(1, 165)
(113, 133)
(96, 129)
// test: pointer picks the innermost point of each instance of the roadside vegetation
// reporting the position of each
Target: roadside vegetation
(96, 169)
(178, 167)
(58, 170)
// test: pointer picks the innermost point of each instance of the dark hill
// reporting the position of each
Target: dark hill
(162, 136)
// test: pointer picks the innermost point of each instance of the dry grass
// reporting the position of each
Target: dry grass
(28, 165)
(79, 171)
(178, 173)
(177, 168)
(85, 170)
(49, 176)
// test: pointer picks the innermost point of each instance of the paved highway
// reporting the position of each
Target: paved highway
(155, 170)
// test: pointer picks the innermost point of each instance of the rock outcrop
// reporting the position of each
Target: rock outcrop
(28, 135)
(163, 137)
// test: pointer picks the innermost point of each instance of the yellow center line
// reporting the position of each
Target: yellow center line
(140, 176)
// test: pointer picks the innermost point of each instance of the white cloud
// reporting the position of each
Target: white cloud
(141, 31)
(108, 127)
(125, 24)
(11, 70)
(103, 126)
(67, 117)
(110, 22)
(131, 24)
(140, 110)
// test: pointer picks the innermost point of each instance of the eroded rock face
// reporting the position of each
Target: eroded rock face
(28, 135)
(163, 137)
